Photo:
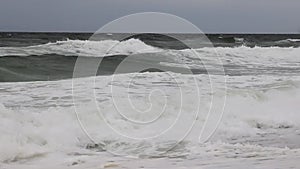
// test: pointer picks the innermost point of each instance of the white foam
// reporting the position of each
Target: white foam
(267, 56)
(46, 121)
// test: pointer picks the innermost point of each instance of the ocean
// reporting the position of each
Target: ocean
(151, 101)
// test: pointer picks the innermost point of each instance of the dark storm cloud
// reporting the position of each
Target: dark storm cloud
(269, 16)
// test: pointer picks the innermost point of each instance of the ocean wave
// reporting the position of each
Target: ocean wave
(112, 47)
(82, 48)
(236, 61)
(288, 40)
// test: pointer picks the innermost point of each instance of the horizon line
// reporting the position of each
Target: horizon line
(90, 32)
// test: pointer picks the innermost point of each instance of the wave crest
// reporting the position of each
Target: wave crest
(82, 48)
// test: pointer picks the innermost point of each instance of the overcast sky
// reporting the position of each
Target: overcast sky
(211, 16)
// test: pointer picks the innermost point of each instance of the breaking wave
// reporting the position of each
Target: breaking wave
(82, 48)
